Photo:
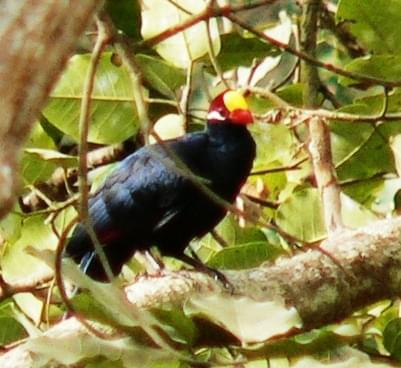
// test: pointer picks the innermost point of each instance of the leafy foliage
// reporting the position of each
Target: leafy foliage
(178, 73)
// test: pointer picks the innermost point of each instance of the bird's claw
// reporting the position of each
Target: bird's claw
(223, 279)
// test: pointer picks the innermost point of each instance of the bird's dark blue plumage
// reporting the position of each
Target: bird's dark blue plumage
(146, 201)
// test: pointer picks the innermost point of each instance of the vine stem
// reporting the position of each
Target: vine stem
(102, 40)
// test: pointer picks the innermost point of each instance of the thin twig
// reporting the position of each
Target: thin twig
(7, 290)
(161, 101)
(178, 6)
(203, 16)
(103, 38)
(368, 80)
(186, 92)
(212, 55)
(228, 11)
(266, 93)
(128, 57)
(60, 281)
(385, 103)
(218, 238)
(330, 96)
(344, 116)
(294, 166)
(263, 202)
(55, 187)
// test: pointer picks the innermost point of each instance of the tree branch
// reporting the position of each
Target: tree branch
(371, 253)
(320, 290)
(319, 134)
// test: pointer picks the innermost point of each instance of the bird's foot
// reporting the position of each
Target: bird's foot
(212, 272)
(219, 276)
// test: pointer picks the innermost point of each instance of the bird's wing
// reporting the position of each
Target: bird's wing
(146, 189)
(142, 194)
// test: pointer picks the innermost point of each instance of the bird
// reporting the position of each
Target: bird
(152, 198)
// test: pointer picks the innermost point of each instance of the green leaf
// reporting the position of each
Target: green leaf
(240, 51)
(242, 256)
(232, 234)
(10, 329)
(185, 46)
(274, 143)
(177, 325)
(301, 215)
(91, 308)
(392, 338)
(33, 168)
(34, 232)
(59, 159)
(113, 117)
(126, 16)
(374, 104)
(293, 94)
(375, 24)
(16, 264)
(245, 317)
(354, 214)
(161, 75)
(105, 362)
(377, 194)
(10, 227)
(359, 150)
(386, 67)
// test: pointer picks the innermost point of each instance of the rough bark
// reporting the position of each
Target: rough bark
(366, 270)
(36, 39)
(323, 289)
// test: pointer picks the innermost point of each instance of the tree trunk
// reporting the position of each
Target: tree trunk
(36, 39)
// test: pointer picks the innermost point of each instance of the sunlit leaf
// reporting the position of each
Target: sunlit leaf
(34, 168)
(301, 215)
(184, 46)
(245, 317)
(168, 127)
(53, 156)
(113, 116)
(68, 345)
(354, 214)
(16, 264)
(274, 143)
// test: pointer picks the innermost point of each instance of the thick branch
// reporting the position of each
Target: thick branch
(36, 38)
(320, 290)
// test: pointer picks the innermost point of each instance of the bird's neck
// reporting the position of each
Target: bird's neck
(226, 132)
(232, 151)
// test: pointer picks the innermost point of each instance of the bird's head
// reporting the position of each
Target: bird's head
(229, 107)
